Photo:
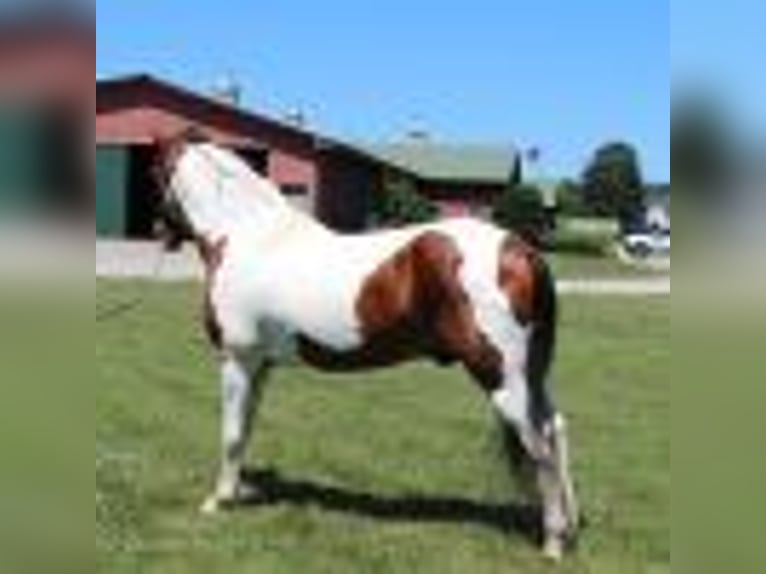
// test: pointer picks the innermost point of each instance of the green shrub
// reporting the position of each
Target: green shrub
(578, 243)
(520, 208)
(570, 200)
(584, 236)
(400, 204)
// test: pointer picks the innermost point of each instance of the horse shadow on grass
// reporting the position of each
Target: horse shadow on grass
(273, 488)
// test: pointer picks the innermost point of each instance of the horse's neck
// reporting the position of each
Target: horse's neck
(255, 212)
(221, 195)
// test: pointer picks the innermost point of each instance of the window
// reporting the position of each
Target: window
(295, 189)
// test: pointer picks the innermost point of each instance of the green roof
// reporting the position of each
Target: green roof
(455, 163)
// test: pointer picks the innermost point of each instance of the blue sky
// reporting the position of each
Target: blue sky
(561, 75)
(717, 48)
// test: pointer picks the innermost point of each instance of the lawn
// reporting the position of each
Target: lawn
(397, 471)
(607, 266)
(584, 248)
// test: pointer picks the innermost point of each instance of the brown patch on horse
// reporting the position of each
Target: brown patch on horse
(414, 305)
(212, 255)
(517, 276)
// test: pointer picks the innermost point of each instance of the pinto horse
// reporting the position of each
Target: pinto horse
(456, 291)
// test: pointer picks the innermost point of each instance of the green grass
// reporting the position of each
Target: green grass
(350, 454)
(584, 249)
(579, 266)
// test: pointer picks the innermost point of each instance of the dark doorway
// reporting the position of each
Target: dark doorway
(345, 185)
(142, 195)
(256, 157)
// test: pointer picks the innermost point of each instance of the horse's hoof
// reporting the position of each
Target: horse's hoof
(553, 549)
(243, 493)
(212, 505)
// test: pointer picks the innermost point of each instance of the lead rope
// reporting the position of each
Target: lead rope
(116, 310)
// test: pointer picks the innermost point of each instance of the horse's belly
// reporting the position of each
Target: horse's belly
(269, 308)
(381, 351)
(317, 293)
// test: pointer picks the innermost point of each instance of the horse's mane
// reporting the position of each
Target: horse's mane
(230, 165)
(237, 195)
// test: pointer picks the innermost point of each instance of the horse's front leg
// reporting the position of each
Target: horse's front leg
(242, 379)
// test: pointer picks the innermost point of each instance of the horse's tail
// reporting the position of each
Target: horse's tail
(542, 342)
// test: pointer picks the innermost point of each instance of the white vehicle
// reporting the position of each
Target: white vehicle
(645, 244)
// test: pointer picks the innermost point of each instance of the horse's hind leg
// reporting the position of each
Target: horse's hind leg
(242, 379)
(559, 440)
(543, 437)
(554, 477)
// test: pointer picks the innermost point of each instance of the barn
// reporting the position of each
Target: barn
(330, 178)
(318, 174)
(461, 179)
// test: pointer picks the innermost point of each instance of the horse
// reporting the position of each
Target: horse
(457, 291)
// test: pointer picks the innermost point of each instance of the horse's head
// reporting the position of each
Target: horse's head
(173, 226)
(211, 187)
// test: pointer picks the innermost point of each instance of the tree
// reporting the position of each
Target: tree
(520, 208)
(570, 200)
(399, 203)
(613, 185)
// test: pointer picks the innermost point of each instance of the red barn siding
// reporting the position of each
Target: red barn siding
(293, 167)
(461, 198)
(143, 125)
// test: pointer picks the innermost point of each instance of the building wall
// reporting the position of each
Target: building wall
(454, 199)
(140, 115)
(132, 119)
(338, 180)
(290, 168)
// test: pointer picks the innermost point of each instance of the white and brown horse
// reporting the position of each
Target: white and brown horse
(458, 290)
